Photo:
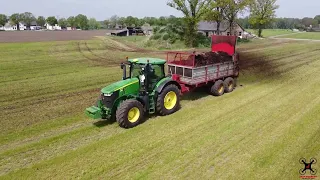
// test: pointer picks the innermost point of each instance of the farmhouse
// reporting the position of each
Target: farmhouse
(9, 27)
(209, 28)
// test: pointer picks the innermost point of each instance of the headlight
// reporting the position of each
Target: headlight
(108, 95)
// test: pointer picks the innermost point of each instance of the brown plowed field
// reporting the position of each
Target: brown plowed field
(40, 36)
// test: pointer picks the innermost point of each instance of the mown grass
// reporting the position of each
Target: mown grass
(260, 131)
(272, 32)
(306, 35)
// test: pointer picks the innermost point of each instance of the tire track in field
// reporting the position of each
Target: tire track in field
(96, 58)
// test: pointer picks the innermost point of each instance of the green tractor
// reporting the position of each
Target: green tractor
(143, 90)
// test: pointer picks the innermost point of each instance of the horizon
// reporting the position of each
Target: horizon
(103, 10)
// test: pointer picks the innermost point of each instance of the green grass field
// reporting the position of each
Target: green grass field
(272, 32)
(260, 131)
(306, 35)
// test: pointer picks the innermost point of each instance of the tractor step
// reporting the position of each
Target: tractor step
(152, 107)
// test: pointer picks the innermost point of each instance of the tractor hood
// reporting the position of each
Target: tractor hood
(119, 85)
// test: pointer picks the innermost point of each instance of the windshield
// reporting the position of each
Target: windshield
(137, 70)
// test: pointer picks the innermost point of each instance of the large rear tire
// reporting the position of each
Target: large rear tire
(217, 89)
(168, 100)
(130, 113)
(229, 85)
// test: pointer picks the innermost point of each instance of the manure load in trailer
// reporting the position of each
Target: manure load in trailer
(212, 58)
(199, 69)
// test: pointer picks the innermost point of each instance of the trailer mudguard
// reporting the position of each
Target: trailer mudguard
(164, 82)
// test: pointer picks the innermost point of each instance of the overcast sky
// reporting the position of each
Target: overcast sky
(102, 9)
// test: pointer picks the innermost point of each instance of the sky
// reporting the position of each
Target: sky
(103, 9)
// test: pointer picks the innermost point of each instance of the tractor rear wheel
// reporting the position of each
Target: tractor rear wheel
(130, 113)
(168, 100)
(217, 89)
(229, 85)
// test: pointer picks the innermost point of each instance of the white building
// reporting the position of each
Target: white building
(9, 27)
(34, 26)
(55, 27)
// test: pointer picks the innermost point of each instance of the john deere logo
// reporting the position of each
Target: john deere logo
(308, 167)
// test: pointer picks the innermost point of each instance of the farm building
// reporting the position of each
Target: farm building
(128, 31)
(55, 27)
(147, 29)
(34, 26)
(209, 28)
(314, 29)
(9, 27)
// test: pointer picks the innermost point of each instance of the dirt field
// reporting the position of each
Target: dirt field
(40, 36)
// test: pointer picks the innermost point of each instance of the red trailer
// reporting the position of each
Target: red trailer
(220, 76)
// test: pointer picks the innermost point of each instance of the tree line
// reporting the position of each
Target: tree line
(285, 23)
(80, 21)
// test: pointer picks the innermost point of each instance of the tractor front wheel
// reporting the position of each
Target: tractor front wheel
(130, 113)
(168, 100)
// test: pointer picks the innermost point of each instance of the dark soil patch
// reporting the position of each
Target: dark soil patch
(41, 36)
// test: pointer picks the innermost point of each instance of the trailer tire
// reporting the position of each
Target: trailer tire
(217, 89)
(168, 100)
(229, 85)
(130, 113)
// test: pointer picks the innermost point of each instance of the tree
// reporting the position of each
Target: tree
(231, 8)
(162, 21)
(72, 22)
(106, 23)
(307, 22)
(82, 21)
(130, 21)
(27, 18)
(244, 22)
(52, 20)
(94, 24)
(63, 23)
(15, 20)
(114, 21)
(193, 11)
(263, 12)
(121, 21)
(317, 18)
(41, 21)
(3, 19)
(216, 14)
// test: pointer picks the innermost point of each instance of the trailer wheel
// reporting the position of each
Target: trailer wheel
(229, 85)
(168, 100)
(130, 113)
(217, 89)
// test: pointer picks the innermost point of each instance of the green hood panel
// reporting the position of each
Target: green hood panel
(154, 61)
(119, 85)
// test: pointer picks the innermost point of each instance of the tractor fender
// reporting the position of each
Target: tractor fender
(166, 82)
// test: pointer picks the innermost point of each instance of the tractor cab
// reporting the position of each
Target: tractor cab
(149, 71)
